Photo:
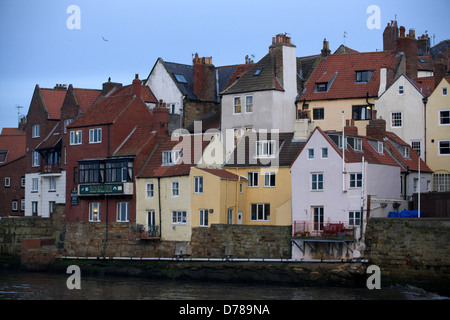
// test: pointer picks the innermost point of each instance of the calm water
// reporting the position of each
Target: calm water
(45, 286)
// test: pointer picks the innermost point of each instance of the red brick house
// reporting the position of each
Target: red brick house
(12, 172)
(106, 146)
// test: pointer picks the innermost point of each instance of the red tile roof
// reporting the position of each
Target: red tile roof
(223, 174)
(53, 99)
(425, 85)
(344, 67)
(12, 132)
(155, 168)
(86, 97)
(146, 94)
(134, 143)
(13, 144)
(52, 139)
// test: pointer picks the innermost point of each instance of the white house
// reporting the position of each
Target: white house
(334, 191)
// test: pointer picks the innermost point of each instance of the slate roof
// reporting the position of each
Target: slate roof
(155, 168)
(244, 154)
(342, 68)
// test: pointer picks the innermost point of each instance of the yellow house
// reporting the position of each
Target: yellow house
(438, 135)
(264, 160)
(163, 190)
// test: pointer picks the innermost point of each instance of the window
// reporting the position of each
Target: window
(318, 218)
(66, 123)
(417, 147)
(265, 149)
(441, 182)
(237, 105)
(444, 147)
(260, 211)
(406, 152)
(252, 179)
(7, 182)
(340, 142)
(36, 159)
(51, 208)
(318, 114)
(401, 90)
(396, 119)
(123, 211)
(22, 204)
(150, 190)
(175, 189)
(36, 131)
(444, 117)
(94, 211)
(75, 137)
(357, 144)
(269, 179)
(444, 91)
(3, 155)
(230, 216)
(321, 87)
(361, 112)
(34, 185)
(34, 208)
(249, 104)
(203, 218)
(237, 136)
(170, 157)
(363, 76)
(180, 78)
(317, 181)
(379, 147)
(310, 153)
(198, 184)
(178, 217)
(324, 153)
(95, 135)
(52, 184)
(22, 182)
(355, 180)
(15, 205)
(354, 218)
(241, 187)
(258, 72)
(101, 172)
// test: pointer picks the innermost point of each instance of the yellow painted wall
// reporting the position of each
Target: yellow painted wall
(437, 101)
(279, 196)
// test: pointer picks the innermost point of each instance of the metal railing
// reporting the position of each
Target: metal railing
(323, 229)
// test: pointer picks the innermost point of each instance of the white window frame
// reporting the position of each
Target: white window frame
(354, 218)
(315, 182)
(268, 182)
(95, 135)
(76, 137)
(22, 204)
(34, 184)
(175, 189)
(380, 147)
(439, 148)
(52, 184)
(22, 182)
(150, 190)
(394, 120)
(15, 205)
(310, 153)
(179, 217)
(255, 216)
(35, 208)
(123, 211)
(203, 218)
(36, 159)
(324, 154)
(356, 180)
(440, 117)
(401, 90)
(249, 104)
(444, 91)
(36, 131)
(92, 212)
(406, 152)
(416, 145)
(239, 105)
(7, 182)
(265, 149)
(170, 157)
(198, 185)
(251, 175)
(357, 144)
(66, 123)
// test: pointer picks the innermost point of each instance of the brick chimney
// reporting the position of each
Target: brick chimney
(283, 54)
(408, 45)
(204, 78)
(137, 86)
(440, 69)
(350, 128)
(376, 128)
(108, 86)
(390, 36)
(325, 52)
(423, 45)
(161, 119)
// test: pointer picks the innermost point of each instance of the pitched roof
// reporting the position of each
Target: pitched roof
(86, 97)
(342, 68)
(135, 141)
(12, 146)
(250, 81)
(146, 94)
(105, 111)
(53, 101)
(244, 155)
(52, 139)
(223, 174)
(425, 85)
(154, 166)
(12, 132)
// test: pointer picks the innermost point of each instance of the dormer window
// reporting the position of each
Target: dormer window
(170, 157)
(322, 87)
(363, 76)
(265, 149)
(406, 152)
(380, 147)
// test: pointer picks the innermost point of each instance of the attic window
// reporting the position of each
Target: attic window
(363, 76)
(406, 152)
(180, 78)
(258, 72)
(321, 87)
(422, 61)
(170, 157)
(3, 155)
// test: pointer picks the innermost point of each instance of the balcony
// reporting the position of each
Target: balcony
(50, 169)
(152, 233)
(324, 230)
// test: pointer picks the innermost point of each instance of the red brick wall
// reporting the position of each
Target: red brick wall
(15, 170)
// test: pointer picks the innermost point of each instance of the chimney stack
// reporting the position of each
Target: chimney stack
(376, 129)
(204, 78)
(408, 45)
(161, 119)
(350, 128)
(390, 36)
(108, 86)
(440, 69)
(326, 49)
(137, 86)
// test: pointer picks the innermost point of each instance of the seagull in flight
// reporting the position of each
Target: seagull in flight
(104, 38)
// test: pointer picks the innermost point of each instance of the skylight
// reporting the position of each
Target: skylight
(180, 78)
(257, 72)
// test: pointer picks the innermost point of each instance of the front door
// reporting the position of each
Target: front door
(151, 223)
(318, 219)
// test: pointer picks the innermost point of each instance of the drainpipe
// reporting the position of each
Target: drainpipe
(343, 153)
(159, 205)
(425, 100)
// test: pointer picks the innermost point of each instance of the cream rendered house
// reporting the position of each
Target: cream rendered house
(438, 135)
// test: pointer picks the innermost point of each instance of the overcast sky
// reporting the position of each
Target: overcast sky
(118, 39)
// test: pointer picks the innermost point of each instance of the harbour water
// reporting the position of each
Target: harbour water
(15, 285)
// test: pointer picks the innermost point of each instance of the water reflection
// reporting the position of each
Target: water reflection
(43, 286)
